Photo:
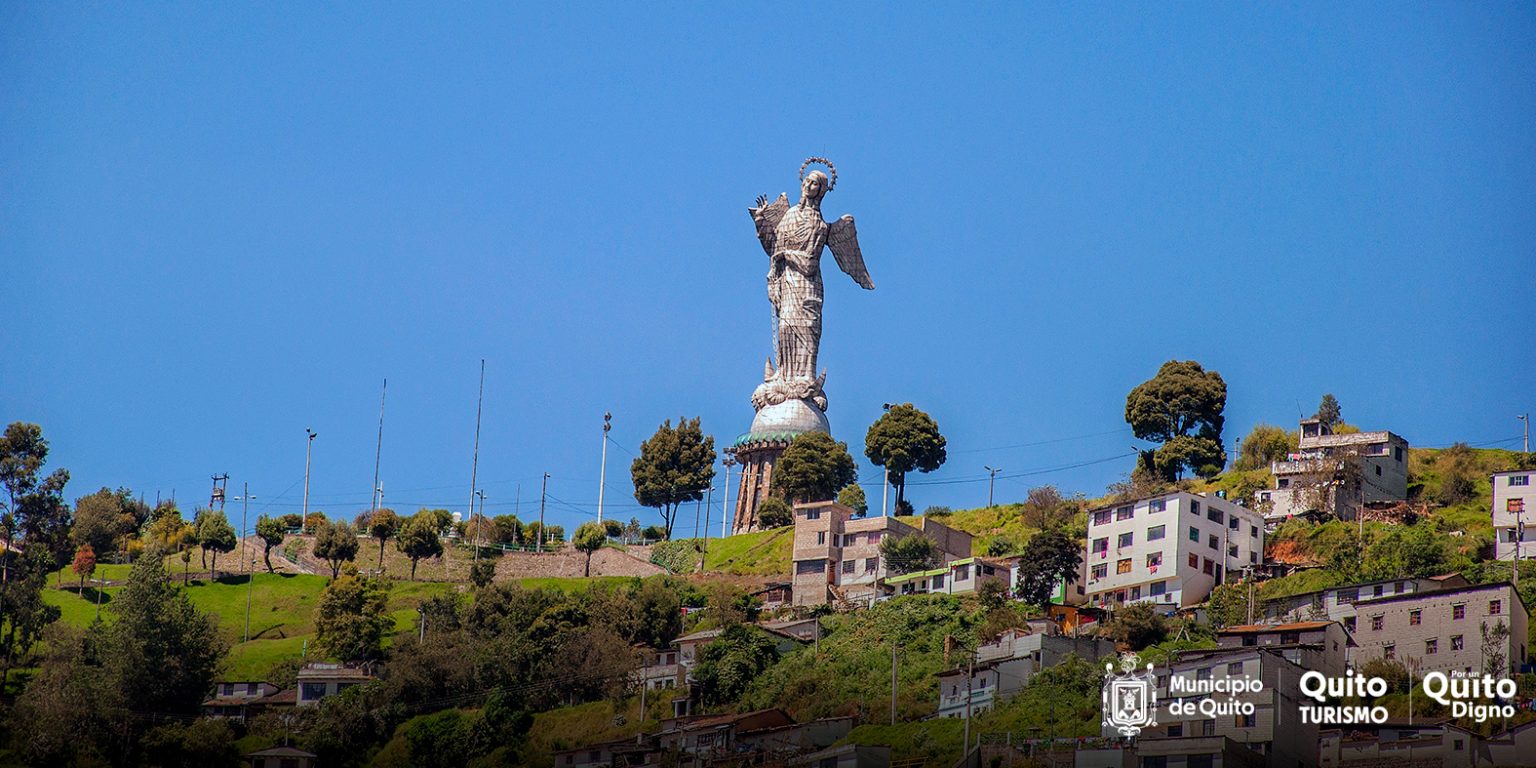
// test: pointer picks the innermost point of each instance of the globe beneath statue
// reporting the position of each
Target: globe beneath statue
(791, 417)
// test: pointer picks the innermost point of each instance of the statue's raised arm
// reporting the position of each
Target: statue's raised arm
(767, 218)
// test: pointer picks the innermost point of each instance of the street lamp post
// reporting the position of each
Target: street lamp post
(542, 490)
(479, 524)
(725, 497)
(991, 479)
(308, 445)
(250, 573)
(1525, 440)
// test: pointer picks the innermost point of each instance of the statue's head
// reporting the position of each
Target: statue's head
(815, 185)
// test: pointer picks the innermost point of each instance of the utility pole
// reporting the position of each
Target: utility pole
(308, 446)
(479, 524)
(970, 671)
(709, 498)
(602, 473)
(542, 490)
(725, 497)
(893, 682)
(991, 479)
(885, 490)
(250, 573)
(378, 450)
(474, 464)
(1525, 421)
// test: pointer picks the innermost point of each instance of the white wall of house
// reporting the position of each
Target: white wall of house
(1514, 504)
(1171, 549)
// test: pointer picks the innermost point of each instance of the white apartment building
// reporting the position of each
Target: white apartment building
(1514, 496)
(1170, 549)
(1319, 463)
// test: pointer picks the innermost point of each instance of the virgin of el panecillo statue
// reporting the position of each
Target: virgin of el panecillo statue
(793, 237)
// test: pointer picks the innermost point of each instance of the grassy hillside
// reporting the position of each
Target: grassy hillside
(282, 608)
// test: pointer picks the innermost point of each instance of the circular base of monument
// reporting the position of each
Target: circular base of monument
(792, 417)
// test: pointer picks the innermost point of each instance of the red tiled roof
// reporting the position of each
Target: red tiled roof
(1299, 626)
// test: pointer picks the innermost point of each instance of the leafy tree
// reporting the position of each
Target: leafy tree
(589, 538)
(383, 524)
(1408, 552)
(508, 529)
(1181, 408)
(852, 497)
(906, 554)
(1050, 558)
(613, 529)
(292, 521)
(1045, 508)
(270, 531)
(1458, 475)
(1229, 605)
(102, 519)
(653, 533)
(216, 535)
(85, 563)
(202, 743)
(439, 740)
(903, 508)
(482, 573)
(1328, 411)
(731, 662)
(632, 531)
(1000, 546)
(442, 519)
(904, 440)
(937, 510)
(813, 467)
(161, 653)
(418, 539)
(659, 612)
(1265, 444)
(675, 466)
(335, 543)
(774, 512)
(353, 617)
(1138, 625)
(1391, 670)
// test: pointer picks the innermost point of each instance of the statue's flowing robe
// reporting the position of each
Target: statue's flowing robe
(795, 289)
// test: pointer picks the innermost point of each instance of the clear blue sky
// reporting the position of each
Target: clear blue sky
(223, 223)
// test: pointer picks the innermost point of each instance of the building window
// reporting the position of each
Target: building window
(870, 564)
(938, 581)
(1125, 513)
(1253, 531)
(1389, 651)
(1377, 591)
(848, 566)
(1495, 607)
(1194, 534)
(1347, 596)
(1211, 542)
(1207, 728)
(1232, 551)
(1157, 505)
(1431, 645)
(1101, 545)
(1101, 517)
(1194, 560)
(806, 567)
(1157, 532)
(1415, 617)
(1210, 567)
(821, 537)
(311, 691)
(1136, 593)
(874, 537)
(1235, 668)
(1126, 539)
(963, 573)
(1519, 480)
(1349, 623)
(1376, 622)
(1123, 566)
(1457, 643)
(1253, 557)
(1158, 588)
(229, 689)
(1176, 731)
(1247, 721)
(813, 514)
(1459, 612)
(1204, 673)
(1215, 515)
(1100, 571)
(1154, 560)
(1290, 638)
(1234, 523)
(1194, 507)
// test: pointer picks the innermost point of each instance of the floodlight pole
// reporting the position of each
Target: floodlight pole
(602, 472)
(991, 479)
(308, 446)
(474, 464)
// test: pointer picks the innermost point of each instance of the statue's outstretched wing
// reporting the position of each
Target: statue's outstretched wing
(767, 218)
(843, 239)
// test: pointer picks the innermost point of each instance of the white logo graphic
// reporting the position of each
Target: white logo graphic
(1130, 698)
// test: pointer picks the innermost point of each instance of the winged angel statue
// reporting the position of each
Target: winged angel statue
(793, 237)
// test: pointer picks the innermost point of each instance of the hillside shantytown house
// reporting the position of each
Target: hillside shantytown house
(1170, 549)
(747, 738)
(837, 555)
(1320, 645)
(1443, 630)
(1514, 501)
(1338, 603)
(242, 699)
(1324, 460)
(318, 680)
(957, 577)
(1003, 667)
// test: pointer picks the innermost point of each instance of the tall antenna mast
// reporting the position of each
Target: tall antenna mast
(217, 499)
(379, 448)
(474, 466)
